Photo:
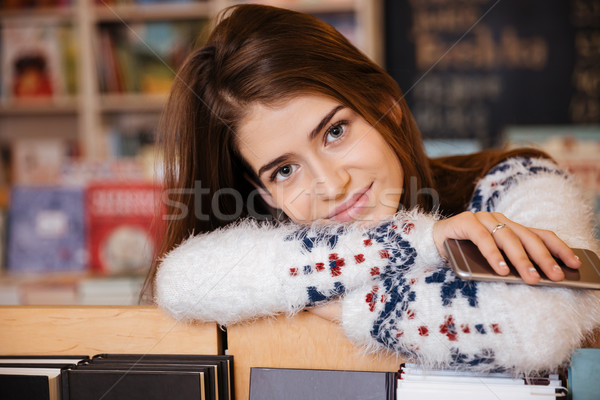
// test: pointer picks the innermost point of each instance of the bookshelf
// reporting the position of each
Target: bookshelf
(86, 115)
(89, 117)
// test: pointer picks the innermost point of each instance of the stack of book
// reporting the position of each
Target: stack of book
(117, 376)
(33, 377)
(419, 383)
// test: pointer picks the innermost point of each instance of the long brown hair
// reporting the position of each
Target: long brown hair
(266, 55)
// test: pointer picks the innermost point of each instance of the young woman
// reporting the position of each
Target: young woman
(280, 118)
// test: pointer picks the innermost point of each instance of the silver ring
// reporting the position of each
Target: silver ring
(498, 227)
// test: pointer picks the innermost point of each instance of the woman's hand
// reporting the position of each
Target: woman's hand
(492, 232)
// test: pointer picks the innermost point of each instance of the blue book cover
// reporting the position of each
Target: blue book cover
(46, 230)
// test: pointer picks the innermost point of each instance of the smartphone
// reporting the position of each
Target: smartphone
(469, 264)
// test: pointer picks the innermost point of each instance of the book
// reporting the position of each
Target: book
(39, 359)
(584, 374)
(144, 57)
(430, 383)
(124, 232)
(131, 137)
(110, 81)
(49, 292)
(87, 383)
(10, 293)
(18, 383)
(209, 373)
(76, 172)
(33, 377)
(46, 230)
(224, 382)
(32, 66)
(300, 384)
(450, 147)
(38, 161)
(110, 290)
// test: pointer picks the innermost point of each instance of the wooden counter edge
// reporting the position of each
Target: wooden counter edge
(90, 330)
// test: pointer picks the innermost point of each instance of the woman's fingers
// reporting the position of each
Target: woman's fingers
(522, 246)
(539, 251)
(526, 247)
(558, 248)
(509, 241)
(533, 251)
(467, 226)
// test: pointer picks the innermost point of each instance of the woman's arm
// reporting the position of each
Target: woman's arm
(439, 319)
(249, 270)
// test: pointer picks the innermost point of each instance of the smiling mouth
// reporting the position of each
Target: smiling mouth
(351, 207)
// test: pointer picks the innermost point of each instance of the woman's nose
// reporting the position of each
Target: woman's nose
(331, 180)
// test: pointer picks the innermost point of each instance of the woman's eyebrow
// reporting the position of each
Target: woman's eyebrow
(273, 163)
(324, 122)
(311, 136)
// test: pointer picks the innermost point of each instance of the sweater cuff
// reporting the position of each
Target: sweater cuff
(421, 238)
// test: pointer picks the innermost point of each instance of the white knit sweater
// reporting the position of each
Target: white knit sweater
(397, 293)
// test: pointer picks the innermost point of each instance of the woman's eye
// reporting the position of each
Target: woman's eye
(335, 132)
(284, 172)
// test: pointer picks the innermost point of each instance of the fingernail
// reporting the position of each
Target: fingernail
(503, 266)
(533, 271)
(577, 257)
(556, 268)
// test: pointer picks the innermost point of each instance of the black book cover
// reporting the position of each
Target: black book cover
(20, 380)
(90, 384)
(209, 371)
(24, 387)
(224, 365)
(301, 384)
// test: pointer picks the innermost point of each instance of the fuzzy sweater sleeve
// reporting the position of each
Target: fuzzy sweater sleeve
(435, 318)
(249, 270)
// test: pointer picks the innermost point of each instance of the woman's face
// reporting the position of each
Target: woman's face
(319, 160)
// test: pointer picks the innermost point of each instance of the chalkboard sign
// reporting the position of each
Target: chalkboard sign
(468, 68)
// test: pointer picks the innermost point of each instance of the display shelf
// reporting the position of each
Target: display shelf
(65, 105)
(90, 116)
(89, 108)
(69, 288)
(127, 102)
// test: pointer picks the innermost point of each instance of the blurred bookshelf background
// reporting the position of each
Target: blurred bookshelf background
(83, 82)
(82, 86)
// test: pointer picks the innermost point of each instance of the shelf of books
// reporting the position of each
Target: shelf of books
(82, 86)
(78, 56)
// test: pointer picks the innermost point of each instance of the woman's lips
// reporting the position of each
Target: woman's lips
(352, 207)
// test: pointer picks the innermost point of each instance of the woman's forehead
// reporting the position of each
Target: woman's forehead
(270, 130)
